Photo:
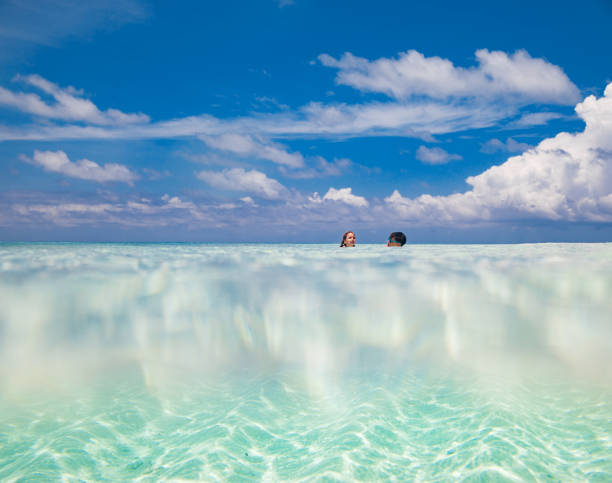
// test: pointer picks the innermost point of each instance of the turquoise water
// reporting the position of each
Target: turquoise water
(305, 362)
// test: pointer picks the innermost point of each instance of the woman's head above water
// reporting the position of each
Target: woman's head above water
(348, 239)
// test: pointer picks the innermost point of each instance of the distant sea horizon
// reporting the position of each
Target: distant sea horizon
(383, 243)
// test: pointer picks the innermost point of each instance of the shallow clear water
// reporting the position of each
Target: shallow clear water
(289, 362)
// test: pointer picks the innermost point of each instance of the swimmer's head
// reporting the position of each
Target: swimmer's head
(396, 239)
(348, 239)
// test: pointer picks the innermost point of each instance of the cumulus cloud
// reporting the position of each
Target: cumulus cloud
(58, 162)
(497, 75)
(246, 145)
(435, 155)
(343, 195)
(510, 145)
(69, 105)
(567, 177)
(238, 179)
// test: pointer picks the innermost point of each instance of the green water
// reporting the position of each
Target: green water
(242, 427)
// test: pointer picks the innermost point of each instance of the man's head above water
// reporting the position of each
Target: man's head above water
(396, 239)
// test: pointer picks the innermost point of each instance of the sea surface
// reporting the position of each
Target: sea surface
(180, 362)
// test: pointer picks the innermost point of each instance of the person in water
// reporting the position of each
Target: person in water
(348, 239)
(396, 239)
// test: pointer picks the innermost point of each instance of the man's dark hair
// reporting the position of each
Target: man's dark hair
(397, 237)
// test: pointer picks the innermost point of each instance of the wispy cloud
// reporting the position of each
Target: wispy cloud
(139, 212)
(270, 102)
(58, 162)
(419, 106)
(534, 119)
(510, 145)
(435, 155)
(69, 104)
(68, 214)
(153, 174)
(418, 120)
(319, 167)
(246, 145)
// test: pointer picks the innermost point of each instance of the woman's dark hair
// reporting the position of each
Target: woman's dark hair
(397, 237)
(343, 243)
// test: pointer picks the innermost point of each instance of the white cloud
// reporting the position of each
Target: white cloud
(153, 174)
(238, 179)
(511, 146)
(140, 212)
(343, 195)
(67, 208)
(497, 75)
(216, 159)
(270, 102)
(435, 155)
(419, 119)
(534, 119)
(68, 214)
(177, 203)
(565, 178)
(246, 145)
(568, 177)
(430, 96)
(58, 162)
(416, 119)
(69, 104)
(320, 167)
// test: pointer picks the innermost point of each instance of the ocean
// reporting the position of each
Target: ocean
(272, 362)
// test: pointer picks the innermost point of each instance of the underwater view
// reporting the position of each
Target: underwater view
(149, 362)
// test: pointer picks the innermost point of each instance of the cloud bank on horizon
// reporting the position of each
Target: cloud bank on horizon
(267, 166)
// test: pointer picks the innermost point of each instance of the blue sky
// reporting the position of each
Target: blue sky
(294, 121)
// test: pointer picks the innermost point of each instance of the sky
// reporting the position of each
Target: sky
(297, 120)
